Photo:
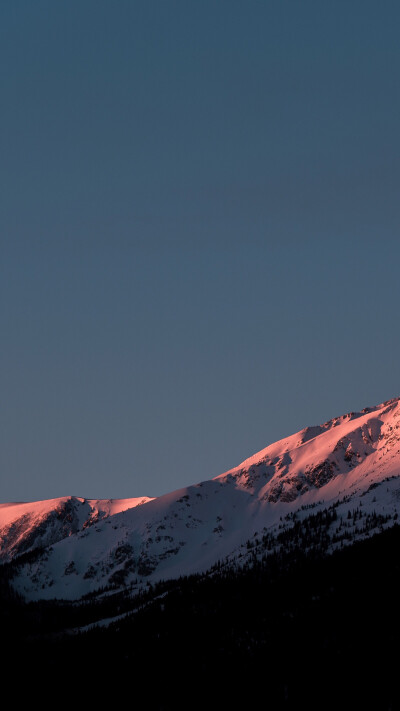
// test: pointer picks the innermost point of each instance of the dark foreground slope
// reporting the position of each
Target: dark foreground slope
(319, 631)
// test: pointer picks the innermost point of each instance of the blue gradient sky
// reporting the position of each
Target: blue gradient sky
(199, 224)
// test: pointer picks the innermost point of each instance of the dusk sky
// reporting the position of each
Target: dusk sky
(199, 225)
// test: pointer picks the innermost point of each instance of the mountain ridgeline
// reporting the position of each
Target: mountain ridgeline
(318, 490)
(277, 580)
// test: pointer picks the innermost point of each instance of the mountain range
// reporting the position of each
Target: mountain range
(322, 488)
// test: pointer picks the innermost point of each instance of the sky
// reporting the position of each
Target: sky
(199, 234)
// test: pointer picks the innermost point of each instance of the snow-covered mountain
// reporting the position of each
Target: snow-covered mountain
(27, 526)
(326, 485)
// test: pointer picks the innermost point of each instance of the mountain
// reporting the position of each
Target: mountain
(27, 526)
(323, 487)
